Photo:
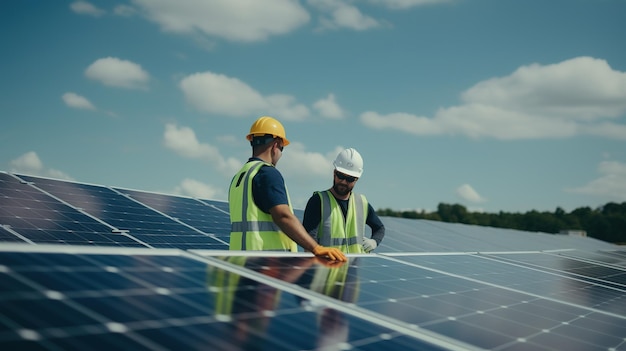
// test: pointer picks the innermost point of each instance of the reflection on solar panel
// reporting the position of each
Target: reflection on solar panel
(167, 300)
(67, 282)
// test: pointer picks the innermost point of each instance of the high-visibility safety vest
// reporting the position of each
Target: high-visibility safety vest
(334, 231)
(250, 227)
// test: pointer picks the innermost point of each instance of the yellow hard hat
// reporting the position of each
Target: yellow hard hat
(267, 125)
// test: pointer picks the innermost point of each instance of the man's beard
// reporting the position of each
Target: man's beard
(341, 189)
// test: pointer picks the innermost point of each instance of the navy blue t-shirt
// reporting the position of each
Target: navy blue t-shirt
(268, 188)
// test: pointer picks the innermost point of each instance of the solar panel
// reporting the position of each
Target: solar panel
(481, 302)
(29, 215)
(145, 225)
(147, 271)
(205, 215)
(168, 300)
(408, 235)
(614, 257)
(539, 274)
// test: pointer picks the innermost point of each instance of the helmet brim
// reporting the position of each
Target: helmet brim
(349, 172)
(285, 141)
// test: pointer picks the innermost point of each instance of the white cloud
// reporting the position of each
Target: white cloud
(581, 96)
(183, 141)
(466, 192)
(329, 108)
(30, 163)
(611, 183)
(338, 14)
(236, 20)
(124, 10)
(406, 122)
(86, 8)
(607, 130)
(303, 169)
(405, 4)
(316, 165)
(582, 88)
(197, 189)
(76, 101)
(217, 93)
(115, 72)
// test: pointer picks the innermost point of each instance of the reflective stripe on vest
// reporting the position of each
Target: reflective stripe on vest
(335, 231)
(251, 228)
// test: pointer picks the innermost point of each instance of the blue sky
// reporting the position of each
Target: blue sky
(496, 105)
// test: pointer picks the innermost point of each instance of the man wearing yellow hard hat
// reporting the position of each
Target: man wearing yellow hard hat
(261, 215)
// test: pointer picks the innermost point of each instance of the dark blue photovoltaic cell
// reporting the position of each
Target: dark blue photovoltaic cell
(142, 223)
(42, 219)
(469, 310)
(222, 205)
(168, 302)
(199, 214)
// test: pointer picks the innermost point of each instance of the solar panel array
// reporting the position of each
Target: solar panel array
(52, 211)
(95, 267)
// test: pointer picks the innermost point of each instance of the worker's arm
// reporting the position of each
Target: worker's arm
(290, 225)
(378, 229)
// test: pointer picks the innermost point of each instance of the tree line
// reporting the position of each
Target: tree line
(607, 222)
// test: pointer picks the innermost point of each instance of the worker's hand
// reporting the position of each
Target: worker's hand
(328, 263)
(330, 252)
(369, 244)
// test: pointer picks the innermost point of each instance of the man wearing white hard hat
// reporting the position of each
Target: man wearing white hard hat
(337, 217)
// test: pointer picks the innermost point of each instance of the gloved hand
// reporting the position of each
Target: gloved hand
(330, 252)
(369, 244)
(328, 263)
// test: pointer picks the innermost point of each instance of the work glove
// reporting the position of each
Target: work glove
(328, 263)
(369, 244)
(330, 252)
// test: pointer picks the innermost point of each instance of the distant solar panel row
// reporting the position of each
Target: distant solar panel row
(40, 210)
(48, 211)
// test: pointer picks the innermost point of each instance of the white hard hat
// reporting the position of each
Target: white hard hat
(349, 162)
